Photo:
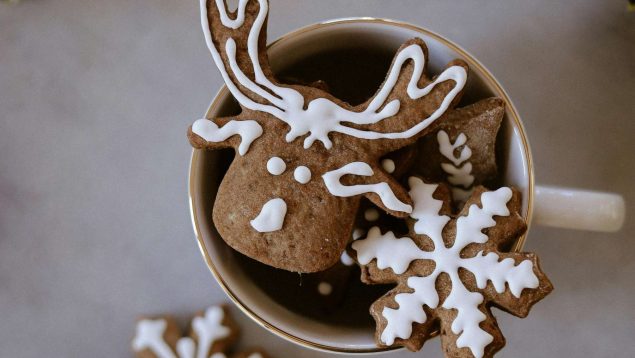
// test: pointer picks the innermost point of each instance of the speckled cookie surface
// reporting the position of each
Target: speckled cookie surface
(468, 136)
(304, 157)
(449, 271)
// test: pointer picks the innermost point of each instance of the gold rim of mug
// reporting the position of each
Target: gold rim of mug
(488, 78)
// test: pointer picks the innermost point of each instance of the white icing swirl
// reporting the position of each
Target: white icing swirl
(383, 190)
(248, 131)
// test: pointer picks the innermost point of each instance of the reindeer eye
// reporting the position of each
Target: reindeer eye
(276, 166)
(302, 174)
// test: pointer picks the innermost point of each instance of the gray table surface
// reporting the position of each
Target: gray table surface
(95, 97)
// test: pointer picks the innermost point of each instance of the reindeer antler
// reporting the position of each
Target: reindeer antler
(259, 211)
(246, 72)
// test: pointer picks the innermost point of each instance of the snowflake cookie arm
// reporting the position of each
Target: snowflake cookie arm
(226, 132)
(507, 229)
(213, 331)
(417, 325)
(385, 257)
(511, 294)
(156, 337)
(486, 333)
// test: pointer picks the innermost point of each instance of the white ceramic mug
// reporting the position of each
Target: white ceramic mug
(550, 206)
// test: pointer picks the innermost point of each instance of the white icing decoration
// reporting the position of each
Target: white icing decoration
(325, 288)
(255, 355)
(398, 253)
(357, 233)
(224, 17)
(371, 214)
(248, 130)
(186, 347)
(271, 216)
(321, 116)
(383, 190)
(276, 166)
(459, 176)
(346, 259)
(149, 335)
(302, 174)
(208, 329)
(388, 165)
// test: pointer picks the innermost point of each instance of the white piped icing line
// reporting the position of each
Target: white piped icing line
(383, 190)
(398, 253)
(302, 174)
(208, 329)
(271, 216)
(149, 335)
(321, 116)
(388, 165)
(460, 171)
(248, 130)
(276, 166)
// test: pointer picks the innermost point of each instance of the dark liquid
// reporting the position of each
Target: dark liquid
(352, 75)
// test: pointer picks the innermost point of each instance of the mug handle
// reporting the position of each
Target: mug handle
(578, 209)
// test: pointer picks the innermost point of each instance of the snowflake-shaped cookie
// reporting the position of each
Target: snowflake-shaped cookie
(211, 333)
(450, 271)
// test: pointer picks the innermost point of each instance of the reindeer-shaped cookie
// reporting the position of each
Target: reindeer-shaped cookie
(305, 158)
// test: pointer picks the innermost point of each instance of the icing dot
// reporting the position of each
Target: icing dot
(388, 165)
(325, 288)
(357, 233)
(371, 214)
(276, 166)
(302, 174)
(346, 259)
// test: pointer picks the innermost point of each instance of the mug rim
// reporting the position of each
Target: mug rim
(472, 61)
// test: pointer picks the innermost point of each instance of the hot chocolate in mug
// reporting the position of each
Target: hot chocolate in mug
(550, 206)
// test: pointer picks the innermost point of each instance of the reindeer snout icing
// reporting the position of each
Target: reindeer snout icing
(323, 182)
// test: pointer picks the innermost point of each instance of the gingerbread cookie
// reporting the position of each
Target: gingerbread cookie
(462, 151)
(211, 333)
(449, 271)
(305, 158)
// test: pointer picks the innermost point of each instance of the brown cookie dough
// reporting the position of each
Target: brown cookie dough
(449, 271)
(211, 332)
(462, 150)
(286, 199)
